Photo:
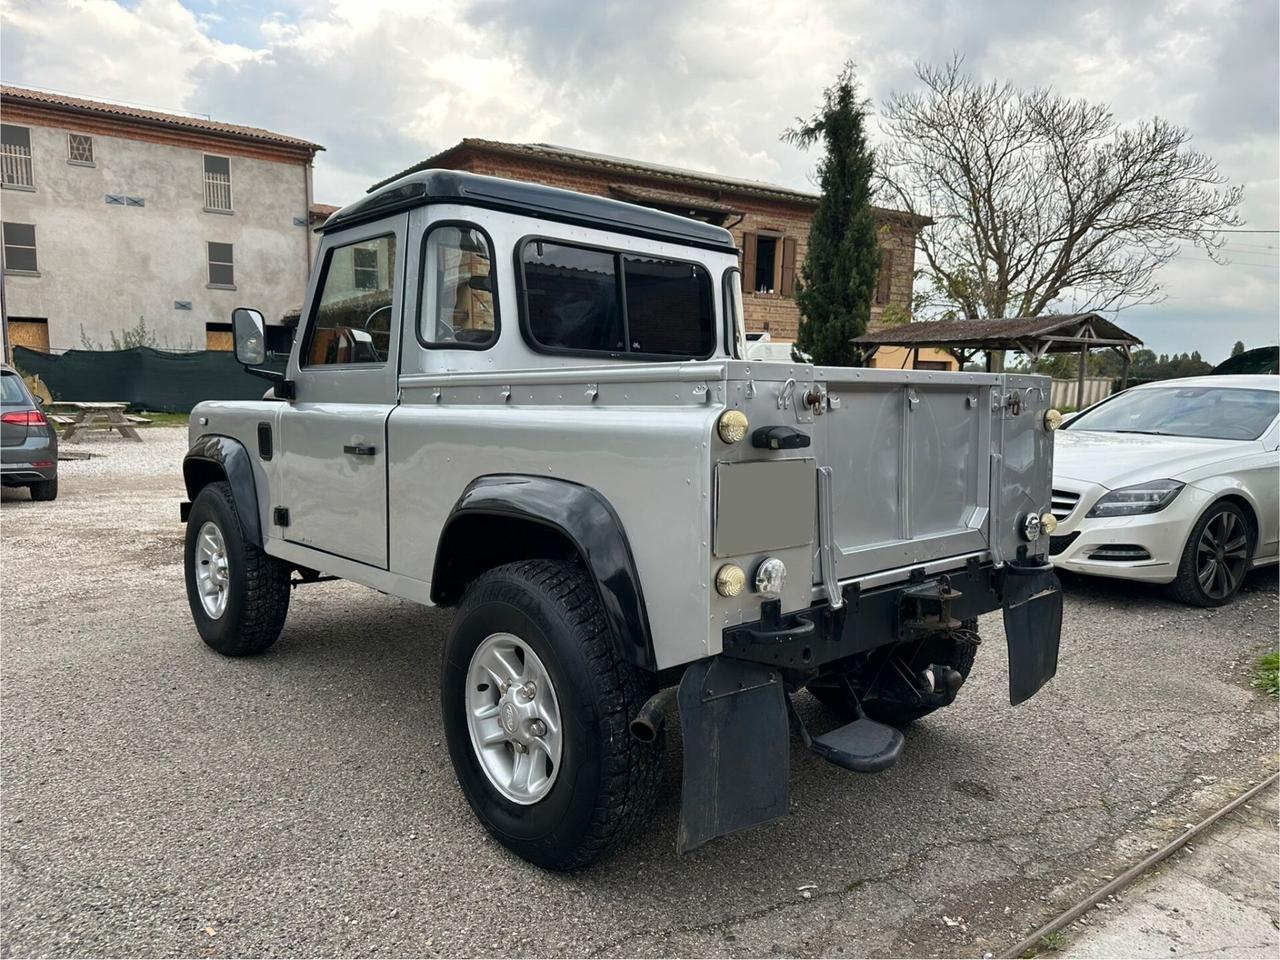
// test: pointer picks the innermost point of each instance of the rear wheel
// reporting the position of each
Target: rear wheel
(891, 689)
(1215, 559)
(45, 489)
(537, 702)
(239, 595)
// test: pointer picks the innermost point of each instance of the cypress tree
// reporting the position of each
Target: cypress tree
(837, 283)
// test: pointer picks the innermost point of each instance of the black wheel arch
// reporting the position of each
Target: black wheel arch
(214, 457)
(502, 518)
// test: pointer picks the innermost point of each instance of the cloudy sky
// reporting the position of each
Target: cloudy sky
(710, 85)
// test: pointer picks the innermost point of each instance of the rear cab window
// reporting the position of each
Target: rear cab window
(578, 299)
(12, 390)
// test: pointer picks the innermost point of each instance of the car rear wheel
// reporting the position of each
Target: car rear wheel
(536, 701)
(239, 595)
(1215, 559)
(45, 489)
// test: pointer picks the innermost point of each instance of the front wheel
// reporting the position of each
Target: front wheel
(239, 595)
(1215, 558)
(537, 702)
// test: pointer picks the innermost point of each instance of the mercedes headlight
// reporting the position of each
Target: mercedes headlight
(1149, 497)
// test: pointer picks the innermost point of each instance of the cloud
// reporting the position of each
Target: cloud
(384, 83)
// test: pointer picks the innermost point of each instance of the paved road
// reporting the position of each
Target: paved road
(160, 800)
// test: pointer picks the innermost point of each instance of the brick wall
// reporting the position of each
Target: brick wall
(774, 312)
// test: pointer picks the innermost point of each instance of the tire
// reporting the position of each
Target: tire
(1224, 525)
(939, 648)
(255, 586)
(605, 780)
(45, 489)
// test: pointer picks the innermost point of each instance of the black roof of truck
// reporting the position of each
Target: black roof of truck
(530, 199)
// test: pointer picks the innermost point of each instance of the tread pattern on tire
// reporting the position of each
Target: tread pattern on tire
(632, 770)
(264, 603)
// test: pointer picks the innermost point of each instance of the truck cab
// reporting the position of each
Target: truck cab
(534, 406)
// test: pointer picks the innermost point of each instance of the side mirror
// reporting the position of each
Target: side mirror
(249, 331)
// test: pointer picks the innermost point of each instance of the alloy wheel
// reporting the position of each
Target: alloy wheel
(213, 577)
(1221, 555)
(513, 717)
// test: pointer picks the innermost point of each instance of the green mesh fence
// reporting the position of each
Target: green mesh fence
(144, 378)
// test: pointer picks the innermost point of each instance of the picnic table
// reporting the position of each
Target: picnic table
(95, 416)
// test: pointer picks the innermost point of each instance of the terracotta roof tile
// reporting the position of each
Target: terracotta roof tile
(103, 109)
(676, 175)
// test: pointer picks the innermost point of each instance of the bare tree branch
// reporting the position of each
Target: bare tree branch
(1037, 198)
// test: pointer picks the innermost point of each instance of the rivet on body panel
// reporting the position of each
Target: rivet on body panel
(505, 393)
(593, 391)
(203, 421)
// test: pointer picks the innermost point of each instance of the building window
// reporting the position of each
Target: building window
(884, 283)
(217, 184)
(222, 272)
(217, 336)
(364, 263)
(15, 156)
(768, 263)
(20, 248)
(29, 332)
(80, 148)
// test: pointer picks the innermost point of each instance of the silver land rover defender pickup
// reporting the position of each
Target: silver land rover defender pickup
(530, 405)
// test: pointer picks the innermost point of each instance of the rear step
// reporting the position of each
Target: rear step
(863, 746)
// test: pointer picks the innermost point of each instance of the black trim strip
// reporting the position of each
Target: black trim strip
(582, 515)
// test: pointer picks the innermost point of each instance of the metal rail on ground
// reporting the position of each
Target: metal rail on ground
(1134, 872)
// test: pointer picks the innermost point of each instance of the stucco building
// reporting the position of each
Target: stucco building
(114, 215)
(770, 224)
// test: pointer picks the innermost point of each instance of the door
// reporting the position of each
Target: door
(333, 436)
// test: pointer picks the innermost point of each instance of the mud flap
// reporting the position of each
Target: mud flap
(733, 718)
(1032, 627)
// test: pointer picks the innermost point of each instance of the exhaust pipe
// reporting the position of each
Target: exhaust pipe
(648, 723)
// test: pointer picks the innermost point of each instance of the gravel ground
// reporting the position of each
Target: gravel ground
(160, 800)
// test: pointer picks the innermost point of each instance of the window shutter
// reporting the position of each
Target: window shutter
(748, 262)
(885, 285)
(788, 265)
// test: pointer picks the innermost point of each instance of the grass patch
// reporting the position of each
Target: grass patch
(1266, 674)
(1053, 941)
(164, 419)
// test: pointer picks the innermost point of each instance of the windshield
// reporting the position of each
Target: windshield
(1220, 413)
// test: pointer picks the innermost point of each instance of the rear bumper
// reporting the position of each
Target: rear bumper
(868, 619)
(31, 461)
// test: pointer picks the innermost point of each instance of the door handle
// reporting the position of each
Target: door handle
(360, 450)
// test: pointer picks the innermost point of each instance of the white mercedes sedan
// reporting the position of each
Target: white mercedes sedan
(1174, 482)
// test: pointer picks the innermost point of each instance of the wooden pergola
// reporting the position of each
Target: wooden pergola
(1033, 336)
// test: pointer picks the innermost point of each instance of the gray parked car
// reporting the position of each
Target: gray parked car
(537, 407)
(28, 442)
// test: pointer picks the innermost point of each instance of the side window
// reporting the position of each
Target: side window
(572, 298)
(457, 303)
(351, 322)
(669, 307)
(583, 299)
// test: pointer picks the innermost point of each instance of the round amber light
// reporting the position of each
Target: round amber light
(1052, 419)
(731, 580)
(732, 426)
(1048, 523)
